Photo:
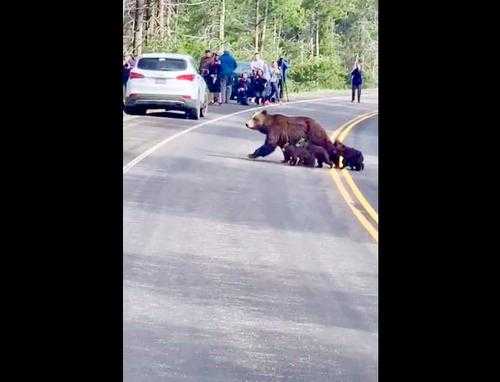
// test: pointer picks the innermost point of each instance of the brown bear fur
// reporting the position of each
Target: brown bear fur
(281, 130)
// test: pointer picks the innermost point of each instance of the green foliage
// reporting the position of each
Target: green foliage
(322, 73)
(347, 29)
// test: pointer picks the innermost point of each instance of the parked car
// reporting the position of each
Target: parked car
(166, 81)
(243, 67)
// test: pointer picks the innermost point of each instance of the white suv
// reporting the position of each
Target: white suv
(166, 81)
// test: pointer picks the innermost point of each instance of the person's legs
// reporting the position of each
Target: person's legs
(353, 93)
(223, 82)
(229, 90)
(275, 92)
(259, 97)
(359, 93)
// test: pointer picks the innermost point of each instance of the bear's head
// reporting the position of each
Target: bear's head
(339, 146)
(257, 121)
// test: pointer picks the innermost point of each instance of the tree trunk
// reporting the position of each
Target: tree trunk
(257, 25)
(317, 37)
(274, 36)
(161, 18)
(139, 18)
(221, 22)
(280, 29)
(148, 20)
(264, 27)
(302, 52)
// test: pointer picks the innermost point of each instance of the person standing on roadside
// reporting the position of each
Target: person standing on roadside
(214, 80)
(283, 66)
(275, 77)
(357, 80)
(128, 64)
(267, 74)
(204, 70)
(227, 66)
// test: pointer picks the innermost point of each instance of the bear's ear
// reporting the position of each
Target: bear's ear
(264, 112)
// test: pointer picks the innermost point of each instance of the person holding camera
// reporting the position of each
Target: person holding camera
(243, 89)
(357, 80)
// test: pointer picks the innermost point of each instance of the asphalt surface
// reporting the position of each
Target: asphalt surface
(241, 270)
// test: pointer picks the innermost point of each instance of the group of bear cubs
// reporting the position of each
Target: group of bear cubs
(303, 142)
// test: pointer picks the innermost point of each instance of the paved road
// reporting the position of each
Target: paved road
(240, 270)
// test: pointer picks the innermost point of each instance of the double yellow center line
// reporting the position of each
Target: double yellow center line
(359, 205)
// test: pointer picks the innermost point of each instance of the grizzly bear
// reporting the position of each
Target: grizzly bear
(280, 130)
(350, 156)
(298, 155)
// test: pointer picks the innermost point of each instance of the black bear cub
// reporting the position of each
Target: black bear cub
(298, 155)
(320, 154)
(350, 157)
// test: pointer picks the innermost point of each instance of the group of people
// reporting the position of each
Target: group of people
(217, 70)
(263, 85)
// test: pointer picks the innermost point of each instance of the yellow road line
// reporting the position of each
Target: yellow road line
(361, 198)
(363, 220)
(353, 123)
(341, 134)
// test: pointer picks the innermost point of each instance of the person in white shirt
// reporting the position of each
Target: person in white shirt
(257, 63)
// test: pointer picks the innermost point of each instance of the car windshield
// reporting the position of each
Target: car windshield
(164, 64)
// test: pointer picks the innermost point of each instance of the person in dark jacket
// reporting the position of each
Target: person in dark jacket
(283, 65)
(214, 79)
(128, 65)
(251, 90)
(357, 81)
(259, 86)
(227, 66)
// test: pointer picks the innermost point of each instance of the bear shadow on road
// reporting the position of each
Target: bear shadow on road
(245, 159)
(253, 195)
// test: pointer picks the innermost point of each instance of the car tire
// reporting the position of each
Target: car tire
(134, 110)
(193, 113)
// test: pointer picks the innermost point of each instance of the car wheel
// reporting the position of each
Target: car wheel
(135, 110)
(194, 113)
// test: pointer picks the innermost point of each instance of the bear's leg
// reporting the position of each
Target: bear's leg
(262, 151)
(286, 157)
(344, 163)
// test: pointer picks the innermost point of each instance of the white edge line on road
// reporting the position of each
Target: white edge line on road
(151, 150)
